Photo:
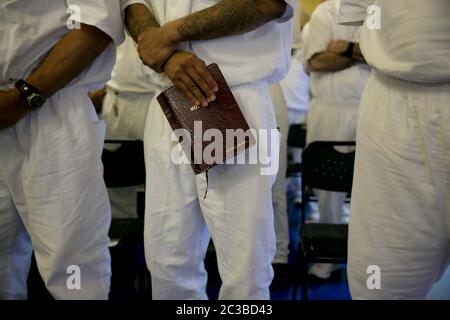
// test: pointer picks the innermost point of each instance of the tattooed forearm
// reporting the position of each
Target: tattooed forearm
(230, 17)
(138, 18)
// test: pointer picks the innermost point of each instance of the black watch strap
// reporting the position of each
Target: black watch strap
(32, 95)
(349, 52)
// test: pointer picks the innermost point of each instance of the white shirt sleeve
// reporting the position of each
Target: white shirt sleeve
(291, 6)
(103, 14)
(320, 33)
(125, 3)
(353, 12)
(296, 30)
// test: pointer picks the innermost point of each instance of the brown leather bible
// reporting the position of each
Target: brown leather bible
(222, 114)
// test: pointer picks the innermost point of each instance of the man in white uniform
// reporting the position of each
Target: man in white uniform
(295, 85)
(296, 90)
(250, 41)
(52, 196)
(337, 83)
(399, 242)
(125, 107)
(128, 94)
(279, 199)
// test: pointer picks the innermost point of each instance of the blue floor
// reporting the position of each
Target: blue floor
(335, 288)
(441, 290)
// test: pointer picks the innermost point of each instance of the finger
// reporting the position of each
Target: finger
(180, 85)
(200, 67)
(198, 79)
(193, 89)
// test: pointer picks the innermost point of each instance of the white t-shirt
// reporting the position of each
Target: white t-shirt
(30, 29)
(344, 85)
(295, 85)
(263, 54)
(413, 42)
(296, 30)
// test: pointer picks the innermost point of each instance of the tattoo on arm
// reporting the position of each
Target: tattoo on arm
(138, 18)
(230, 17)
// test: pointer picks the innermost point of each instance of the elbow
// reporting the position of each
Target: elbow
(271, 9)
(98, 39)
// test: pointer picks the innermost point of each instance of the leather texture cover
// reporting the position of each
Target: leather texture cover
(222, 114)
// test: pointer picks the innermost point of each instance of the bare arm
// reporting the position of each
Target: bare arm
(336, 57)
(328, 62)
(68, 58)
(138, 18)
(157, 45)
(228, 17)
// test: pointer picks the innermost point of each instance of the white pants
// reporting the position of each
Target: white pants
(279, 188)
(297, 116)
(331, 205)
(237, 213)
(125, 115)
(400, 219)
(53, 200)
(331, 121)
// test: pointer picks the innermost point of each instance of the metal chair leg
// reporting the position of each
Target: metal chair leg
(297, 278)
(295, 290)
(305, 279)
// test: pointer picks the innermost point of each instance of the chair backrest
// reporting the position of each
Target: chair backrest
(124, 164)
(297, 136)
(324, 167)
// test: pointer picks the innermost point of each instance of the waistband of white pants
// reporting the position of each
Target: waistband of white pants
(259, 86)
(409, 86)
(129, 94)
(336, 103)
(253, 85)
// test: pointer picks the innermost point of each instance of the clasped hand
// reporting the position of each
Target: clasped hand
(157, 49)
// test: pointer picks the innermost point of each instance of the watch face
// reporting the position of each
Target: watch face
(36, 101)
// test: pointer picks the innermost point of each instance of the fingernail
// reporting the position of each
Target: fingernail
(212, 98)
(204, 103)
(216, 89)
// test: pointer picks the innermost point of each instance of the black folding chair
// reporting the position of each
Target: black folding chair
(324, 168)
(124, 166)
(296, 139)
(124, 163)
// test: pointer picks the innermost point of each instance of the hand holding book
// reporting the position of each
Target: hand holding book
(190, 75)
(223, 115)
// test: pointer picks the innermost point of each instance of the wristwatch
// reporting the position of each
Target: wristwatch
(349, 52)
(33, 96)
